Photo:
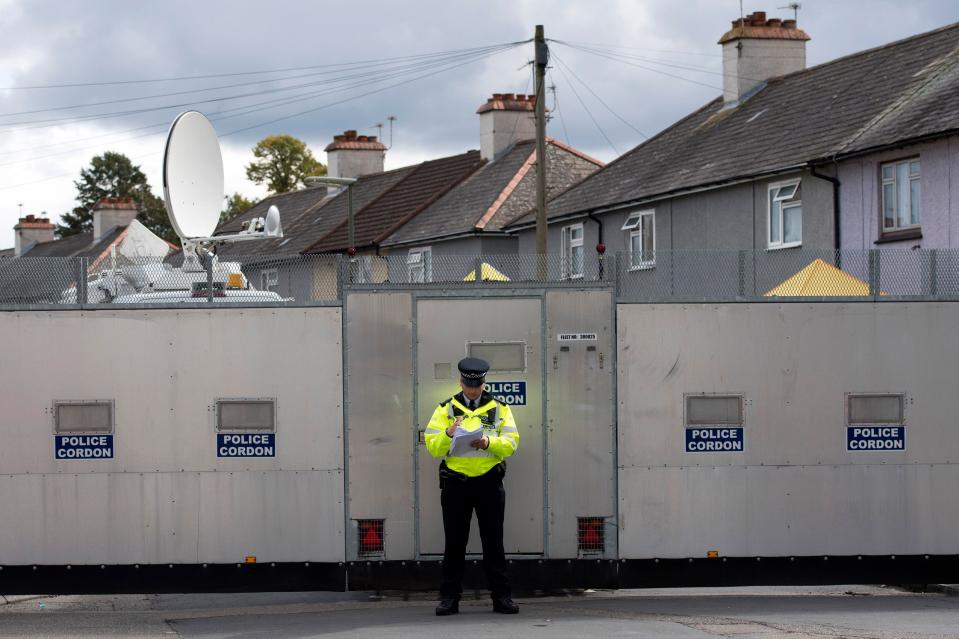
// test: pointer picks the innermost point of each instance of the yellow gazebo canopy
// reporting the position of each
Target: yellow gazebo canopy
(489, 274)
(820, 279)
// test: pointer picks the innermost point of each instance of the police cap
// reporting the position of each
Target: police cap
(473, 371)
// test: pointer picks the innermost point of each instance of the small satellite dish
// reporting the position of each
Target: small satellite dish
(193, 176)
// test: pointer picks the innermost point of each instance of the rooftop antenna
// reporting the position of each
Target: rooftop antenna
(795, 6)
(392, 119)
(21, 209)
(742, 14)
(193, 192)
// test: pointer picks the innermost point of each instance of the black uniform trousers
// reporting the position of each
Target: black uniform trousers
(459, 498)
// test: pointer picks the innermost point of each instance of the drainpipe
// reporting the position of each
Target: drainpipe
(600, 246)
(837, 233)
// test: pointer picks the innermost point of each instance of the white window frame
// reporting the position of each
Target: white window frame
(883, 182)
(770, 201)
(567, 244)
(634, 224)
(423, 262)
(269, 279)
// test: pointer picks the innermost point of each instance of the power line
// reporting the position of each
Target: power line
(588, 112)
(559, 112)
(366, 76)
(244, 110)
(617, 46)
(448, 66)
(216, 88)
(601, 101)
(237, 73)
(633, 64)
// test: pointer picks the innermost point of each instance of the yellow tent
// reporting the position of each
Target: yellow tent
(490, 274)
(821, 279)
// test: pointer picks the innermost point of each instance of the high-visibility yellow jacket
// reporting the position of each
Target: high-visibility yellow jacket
(491, 415)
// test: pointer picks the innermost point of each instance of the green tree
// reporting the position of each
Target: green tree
(235, 205)
(282, 162)
(114, 175)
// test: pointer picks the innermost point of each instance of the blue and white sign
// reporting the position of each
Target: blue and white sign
(246, 444)
(860, 438)
(714, 439)
(510, 393)
(83, 446)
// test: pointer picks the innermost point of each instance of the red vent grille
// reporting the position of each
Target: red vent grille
(591, 534)
(370, 536)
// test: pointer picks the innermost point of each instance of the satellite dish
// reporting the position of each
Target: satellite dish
(193, 176)
(272, 227)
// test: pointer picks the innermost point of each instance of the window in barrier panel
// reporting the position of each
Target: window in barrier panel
(503, 357)
(83, 416)
(714, 409)
(246, 415)
(875, 409)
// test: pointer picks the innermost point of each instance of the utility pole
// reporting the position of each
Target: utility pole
(541, 60)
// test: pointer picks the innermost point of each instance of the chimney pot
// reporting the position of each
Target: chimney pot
(774, 22)
(497, 96)
(789, 24)
(509, 96)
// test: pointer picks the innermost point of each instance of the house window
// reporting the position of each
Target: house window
(269, 279)
(419, 262)
(572, 251)
(360, 269)
(901, 189)
(642, 239)
(785, 214)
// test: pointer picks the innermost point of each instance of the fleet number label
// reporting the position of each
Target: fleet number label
(714, 439)
(83, 446)
(576, 337)
(875, 438)
(246, 445)
(510, 393)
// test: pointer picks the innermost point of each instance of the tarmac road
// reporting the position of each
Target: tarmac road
(853, 612)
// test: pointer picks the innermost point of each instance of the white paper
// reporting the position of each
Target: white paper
(462, 439)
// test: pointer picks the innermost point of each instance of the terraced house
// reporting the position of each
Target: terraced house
(857, 154)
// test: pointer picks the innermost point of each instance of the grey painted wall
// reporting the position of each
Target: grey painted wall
(861, 199)
(730, 218)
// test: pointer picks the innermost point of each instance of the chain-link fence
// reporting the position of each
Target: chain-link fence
(761, 275)
(660, 277)
(172, 281)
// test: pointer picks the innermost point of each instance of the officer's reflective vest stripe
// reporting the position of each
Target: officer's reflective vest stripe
(501, 431)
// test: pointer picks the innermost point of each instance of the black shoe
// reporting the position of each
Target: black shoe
(505, 605)
(447, 607)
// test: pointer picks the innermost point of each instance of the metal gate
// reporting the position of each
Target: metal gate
(507, 332)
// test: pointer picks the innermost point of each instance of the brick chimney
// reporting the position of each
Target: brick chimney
(504, 119)
(110, 212)
(757, 49)
(31, 230)
(350, 155)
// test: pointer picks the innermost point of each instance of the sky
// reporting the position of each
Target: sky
(350, 65)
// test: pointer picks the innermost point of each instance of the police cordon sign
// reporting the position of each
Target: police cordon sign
(714, 439)
(859, 438)
(83, 446)
(246, 444)
(510, 393)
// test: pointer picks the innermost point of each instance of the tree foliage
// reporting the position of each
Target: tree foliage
(235, 205)
(114, 175)
(282, 161)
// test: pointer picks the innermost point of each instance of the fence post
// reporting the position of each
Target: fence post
(479, 271)
(208, 263)
(81, 281)
(934, 272)
(742, 274)
(617, 281)
(338, 274)
(874, 273)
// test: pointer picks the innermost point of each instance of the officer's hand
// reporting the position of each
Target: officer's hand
(452, 427)
(482, 442)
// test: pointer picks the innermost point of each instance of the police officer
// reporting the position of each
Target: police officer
(471, 477)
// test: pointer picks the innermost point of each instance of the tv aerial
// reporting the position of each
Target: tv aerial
(193, 192)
